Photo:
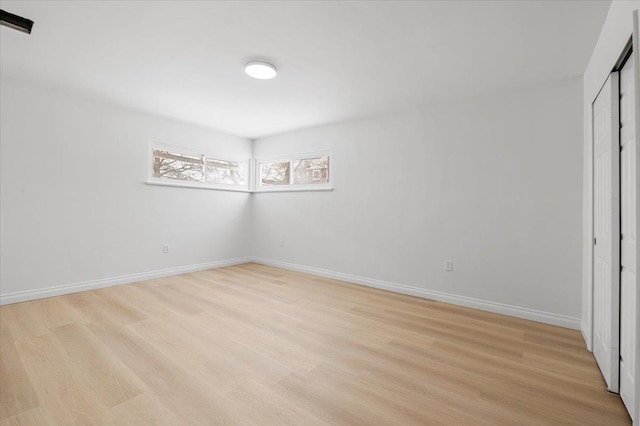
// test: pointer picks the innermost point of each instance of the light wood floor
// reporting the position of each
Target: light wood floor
(251, 344)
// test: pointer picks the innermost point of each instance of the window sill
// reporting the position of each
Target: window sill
(194, 185)
(311, 188)
(197, 186)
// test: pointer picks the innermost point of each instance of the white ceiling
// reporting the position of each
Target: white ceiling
(337, 60)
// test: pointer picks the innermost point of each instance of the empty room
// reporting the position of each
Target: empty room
(319, 212)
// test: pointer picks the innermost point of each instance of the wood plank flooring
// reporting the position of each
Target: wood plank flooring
(251, 344)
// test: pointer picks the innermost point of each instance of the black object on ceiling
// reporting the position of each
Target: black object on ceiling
(16, 22)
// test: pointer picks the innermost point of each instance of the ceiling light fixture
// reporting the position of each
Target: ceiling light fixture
(260, 70)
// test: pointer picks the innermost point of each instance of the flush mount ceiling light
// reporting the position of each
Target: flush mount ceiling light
(260, 70)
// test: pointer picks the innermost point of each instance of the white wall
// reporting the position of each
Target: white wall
(489, 182)
(493, 183)
(73, 203)
(614, 36)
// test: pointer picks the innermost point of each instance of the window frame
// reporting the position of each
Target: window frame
(180, 149)
(291, 187)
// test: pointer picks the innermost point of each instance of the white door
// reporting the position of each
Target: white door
(628, 244)
(606, 231)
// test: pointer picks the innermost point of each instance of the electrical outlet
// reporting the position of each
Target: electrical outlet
(448, 265)
(281, 243)
(165, 248)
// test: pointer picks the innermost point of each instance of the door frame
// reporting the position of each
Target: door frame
(633, 41)
(618, 31)
(636, 64)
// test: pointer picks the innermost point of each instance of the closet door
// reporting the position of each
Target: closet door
(606, 224)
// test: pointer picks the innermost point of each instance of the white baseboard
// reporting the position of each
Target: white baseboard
(23, 296)
(514, 311)
(484, 305)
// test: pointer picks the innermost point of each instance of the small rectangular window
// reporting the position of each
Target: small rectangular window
(173, 165)
(226, 172)
(301, 172)
(275, 173)
(311, 171)
(177, 167)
